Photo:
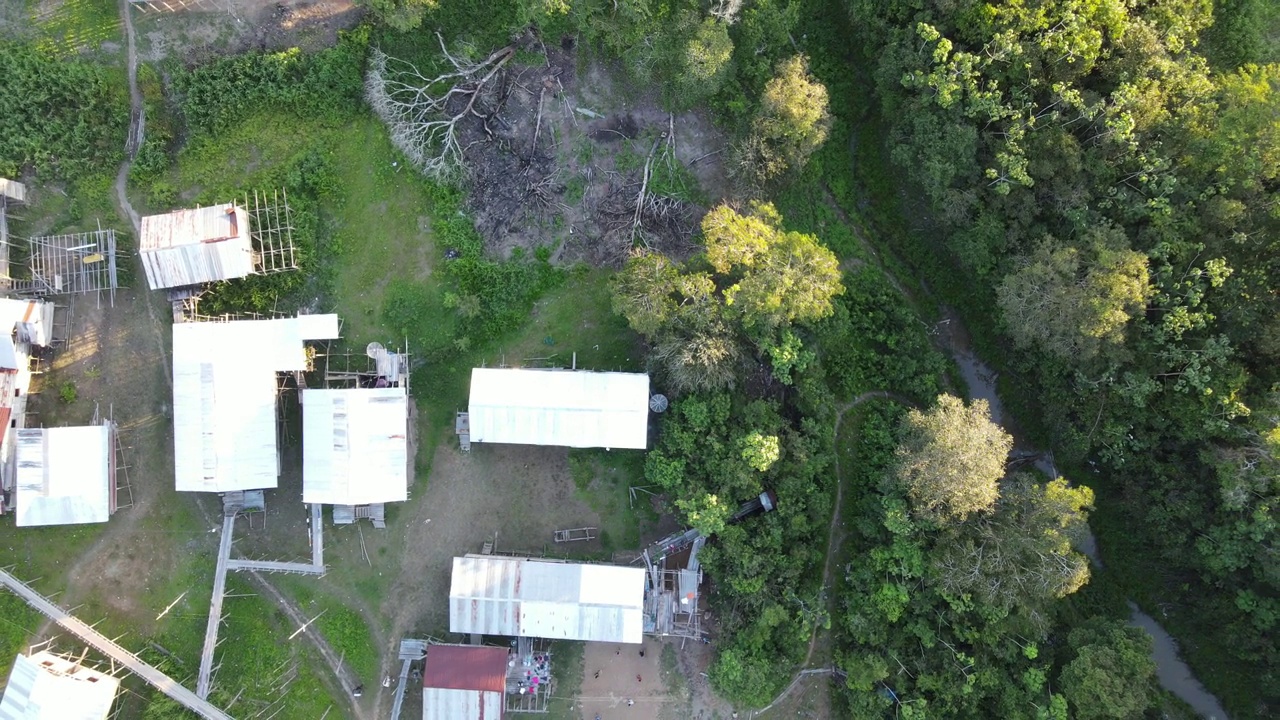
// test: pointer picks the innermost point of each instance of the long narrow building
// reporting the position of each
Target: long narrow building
(521, 597)
(570, 408)
(224, 397)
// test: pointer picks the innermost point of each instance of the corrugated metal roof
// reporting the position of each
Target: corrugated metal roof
(31, 320)
(47, 687)
(574, 408)
(354, 446)
(191, 247)
(442, 704)
(13, 190)
(466, 667)
(64, 475)
(224, 397)
(494, 595)
(8, 354)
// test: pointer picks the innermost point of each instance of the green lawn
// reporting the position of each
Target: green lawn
(575, 319)
(383, 227)
(603, 480)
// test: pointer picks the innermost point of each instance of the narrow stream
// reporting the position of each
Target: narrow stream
(1171, 671)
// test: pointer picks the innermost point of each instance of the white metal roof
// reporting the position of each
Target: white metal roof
(224, 397)
(495, 595)
(29, 320)
(64, 475)
(450, 704)
(354, 446)
(13, 190)
(48, 687)
(200, 245)
(575, 408)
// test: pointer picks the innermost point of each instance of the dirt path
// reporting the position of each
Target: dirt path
(98, 319)
(469, 498)
(833, 542)
(794, 682)
(345, 680)
(124, 525)
(137, 119)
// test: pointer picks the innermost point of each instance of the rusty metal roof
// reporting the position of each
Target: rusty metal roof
(466, 667)
(190, 247)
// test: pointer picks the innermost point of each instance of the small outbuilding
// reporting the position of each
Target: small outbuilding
(196, 246)
(521, 597)
(46, 686)
(355, 448)
(224, 397)
(571, 408)
(65, 475)
(464, 682)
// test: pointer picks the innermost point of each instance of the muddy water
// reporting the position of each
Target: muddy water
(1174, 675)
(1171, 671)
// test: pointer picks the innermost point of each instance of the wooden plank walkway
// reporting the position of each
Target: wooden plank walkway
(317, 536)
(273, 566)
(400, 686)
(410, 650)
(215, 607)
(109, 648)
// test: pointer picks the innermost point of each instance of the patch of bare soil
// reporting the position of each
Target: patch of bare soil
(617, 681)
(196, 30)
(520, 493)
(117, 361)
(694, 660)
(558, 160)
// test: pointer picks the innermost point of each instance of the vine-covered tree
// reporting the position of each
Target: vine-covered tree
(1074, 302)
(793, 121)
(1021, 557)
(951, 459)
(1110, 673)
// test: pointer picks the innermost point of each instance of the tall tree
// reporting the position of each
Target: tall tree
(793, 121)
(1021, 557)
(1074, 302)
(951, 459)
(704, 62)
(1111, 672)
(777, 277)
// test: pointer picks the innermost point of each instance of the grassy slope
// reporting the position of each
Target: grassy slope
(72, 26)
(383, 228)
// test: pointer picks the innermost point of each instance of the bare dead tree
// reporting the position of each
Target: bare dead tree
(423, 113)
(726, 10)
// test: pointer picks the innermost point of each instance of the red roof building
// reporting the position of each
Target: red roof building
(464, 682)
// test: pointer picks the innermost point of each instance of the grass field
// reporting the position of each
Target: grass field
(72, 26)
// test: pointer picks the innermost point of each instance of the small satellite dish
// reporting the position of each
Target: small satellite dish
(374, 350)
(658, 403)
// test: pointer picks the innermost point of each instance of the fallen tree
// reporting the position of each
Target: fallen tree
(423, 114)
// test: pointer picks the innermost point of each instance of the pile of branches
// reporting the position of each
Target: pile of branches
(629, 214)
